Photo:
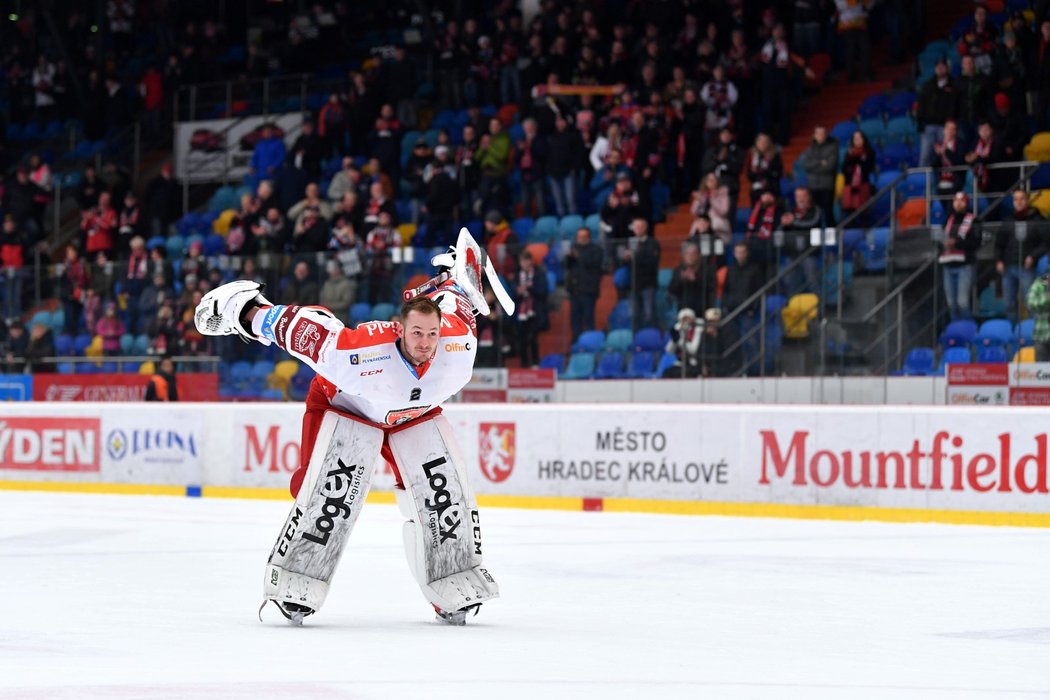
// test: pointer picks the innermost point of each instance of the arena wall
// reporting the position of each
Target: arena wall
(960, 464)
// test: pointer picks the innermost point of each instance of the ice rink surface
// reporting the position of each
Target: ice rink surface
(151, 597)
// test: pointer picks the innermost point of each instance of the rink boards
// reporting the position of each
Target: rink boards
(980, 465)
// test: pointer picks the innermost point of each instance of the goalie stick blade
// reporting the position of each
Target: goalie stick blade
(497, 288)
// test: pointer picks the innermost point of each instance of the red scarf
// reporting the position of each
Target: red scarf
(980, 166)
(762, 222)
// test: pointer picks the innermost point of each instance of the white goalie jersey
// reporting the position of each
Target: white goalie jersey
(362, 370)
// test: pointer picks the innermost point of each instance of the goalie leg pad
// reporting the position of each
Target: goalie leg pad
(443, 533)
(315, 533)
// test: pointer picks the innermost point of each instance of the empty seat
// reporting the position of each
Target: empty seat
(918, 363)
(959, 333)
(640, 364)
(610, 366)
(650, 339)
(619, 340)
(589, 342)
(995, 332)
(581, 366)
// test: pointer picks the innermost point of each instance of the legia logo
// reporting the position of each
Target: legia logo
(496, 450)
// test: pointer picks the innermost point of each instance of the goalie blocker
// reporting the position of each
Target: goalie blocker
(442, 536)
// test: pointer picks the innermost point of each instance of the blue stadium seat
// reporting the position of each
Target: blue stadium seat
(66, 368)
(589, 342)
(594, 223)
(382, 311)
(64, 345)
(873, 107)
(995, 332)
(918, 363)
(620, 317)
(640, 365)
(667, 361)
(1023, 332)
(127, 344)
(874, 129)
(241, 374)
(992, 353)
(610, 366)
(989, 304)
(874, 254)
(901, 130)
(581, 366)
(142, 344)
(958, 355)
(107, 368)
(546, 229)
(555, 361)
(663, 277)
(648, 339)
(568, 225)
(214, 244)
(959, 334)
(900, 104)
(843, 131)
(622, 277)
(522, 228)
(81, 343)
(619, 340)
(271, 395)
(361, 311)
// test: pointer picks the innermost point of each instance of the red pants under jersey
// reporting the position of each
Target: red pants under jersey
(317, 403)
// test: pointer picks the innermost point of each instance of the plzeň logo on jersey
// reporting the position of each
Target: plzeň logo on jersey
(496, 450)
(154, 446)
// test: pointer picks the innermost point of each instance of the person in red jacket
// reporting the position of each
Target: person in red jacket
(12, 260)
(99, 225)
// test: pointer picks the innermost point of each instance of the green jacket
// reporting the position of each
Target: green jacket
(1038, 301)
(495, 160)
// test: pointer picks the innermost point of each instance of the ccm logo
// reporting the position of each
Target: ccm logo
(370, 372)
(457, 347)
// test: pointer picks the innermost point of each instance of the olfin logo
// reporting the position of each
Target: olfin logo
(496, 450)
(457, 347)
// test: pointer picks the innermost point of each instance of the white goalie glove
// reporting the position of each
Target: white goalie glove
(466, 262)
(219, 312)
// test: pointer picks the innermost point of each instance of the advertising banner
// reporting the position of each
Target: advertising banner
(16, 387)
(153, 447)
(978, 384)
(31, 443)
(210, 149)
(909, 457)
(202, 386)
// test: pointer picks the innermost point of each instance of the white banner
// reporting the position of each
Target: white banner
(152, 447)
(213, 149)
(979, 458)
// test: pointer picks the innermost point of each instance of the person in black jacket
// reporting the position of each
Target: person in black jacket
(442, 197)
(530, 157)
(531, 308)
(742, 281)
(564, 159)
(584, 266)
(693, 283)
(938, 102)
(948, 154)
(958, 255)
(1018, 246)
(642, 253)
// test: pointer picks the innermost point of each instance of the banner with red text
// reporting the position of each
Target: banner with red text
(202, 386)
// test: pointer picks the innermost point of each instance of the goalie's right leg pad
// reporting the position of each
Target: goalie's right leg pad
(315, 533)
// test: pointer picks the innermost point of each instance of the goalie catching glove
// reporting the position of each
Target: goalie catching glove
(222, 309)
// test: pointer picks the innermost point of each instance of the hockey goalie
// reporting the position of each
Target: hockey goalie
(378, 392)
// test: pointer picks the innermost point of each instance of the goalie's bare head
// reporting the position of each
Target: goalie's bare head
(420, 329)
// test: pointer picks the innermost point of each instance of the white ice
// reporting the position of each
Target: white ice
(147, 597)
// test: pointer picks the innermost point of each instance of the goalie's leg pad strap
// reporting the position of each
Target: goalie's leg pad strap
(443, 534)
(333, 492)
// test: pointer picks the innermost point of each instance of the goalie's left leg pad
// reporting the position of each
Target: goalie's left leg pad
(443, 534)
(315, 533)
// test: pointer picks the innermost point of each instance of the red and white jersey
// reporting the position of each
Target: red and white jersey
(362, 370)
